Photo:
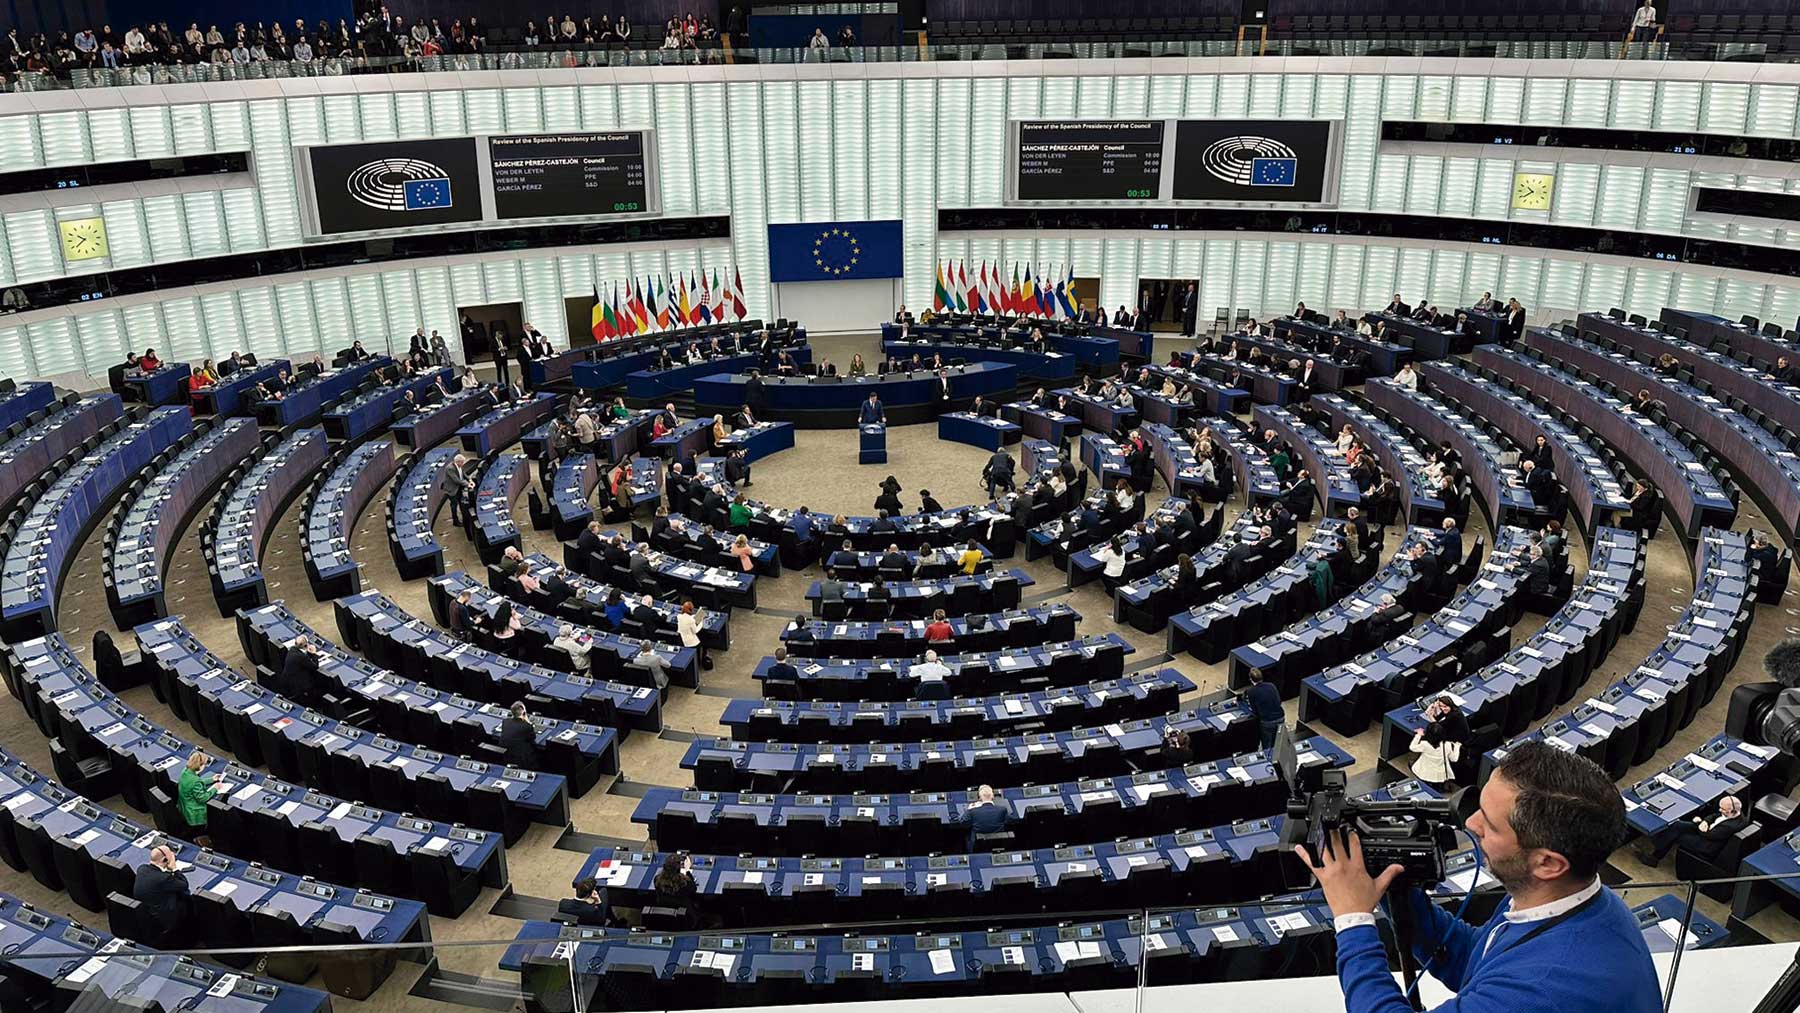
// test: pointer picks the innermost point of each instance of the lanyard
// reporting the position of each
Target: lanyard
(1539, 929)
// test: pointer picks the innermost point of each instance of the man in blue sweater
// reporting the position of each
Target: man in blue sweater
(1559, 943)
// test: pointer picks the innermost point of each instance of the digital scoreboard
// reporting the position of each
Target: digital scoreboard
(559, 175)
(1118, 160)
(1170, 161)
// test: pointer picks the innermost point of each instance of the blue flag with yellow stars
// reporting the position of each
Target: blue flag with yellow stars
(835, 251)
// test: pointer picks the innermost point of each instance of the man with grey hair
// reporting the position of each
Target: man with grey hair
(1704, 836)
(931, 674)
(651, 662)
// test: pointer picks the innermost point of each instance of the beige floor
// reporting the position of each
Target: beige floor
(821, 472)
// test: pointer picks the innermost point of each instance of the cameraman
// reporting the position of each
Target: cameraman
(1559, 943)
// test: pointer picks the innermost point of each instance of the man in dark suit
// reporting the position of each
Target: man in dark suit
(1187, 526)
(1190, 310)
(1704, 836)
(165, 904)
(299, 679)
(588, 542)
(1298, 497)
(518, 737)
(644, 613)
(1450, 546)
(1540, 576)
(999, 472)
(1354, 518)
(1765, 559)
(782, 673)
(588, 906)
(755, 397)
(614, 555)
(1238, 559)
(1428, 575)
(1539, 481)
(895, 561)
(872, 411)
(987, 815)
(1399, 307)
(643, 574)
(1785, 371)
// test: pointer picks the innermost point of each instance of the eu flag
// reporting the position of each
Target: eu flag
(835, 251)
(1273, 171)
(426, 193)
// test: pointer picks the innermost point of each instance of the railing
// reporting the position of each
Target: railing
(570, 976)
(1250, 44)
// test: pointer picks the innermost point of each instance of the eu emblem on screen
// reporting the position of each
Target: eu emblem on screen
(427, 193)
(1273, 171)
(836, 251)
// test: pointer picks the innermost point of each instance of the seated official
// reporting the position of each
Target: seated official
(674, 883)
(519, 738)
(165, 904)
(1704, 837)
(1559, 943)
(588, 906)
(987, 816)
(192, 791)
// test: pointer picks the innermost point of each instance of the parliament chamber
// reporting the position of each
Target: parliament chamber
(564, 525)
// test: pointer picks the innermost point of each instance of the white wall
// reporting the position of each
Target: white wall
(838, 307)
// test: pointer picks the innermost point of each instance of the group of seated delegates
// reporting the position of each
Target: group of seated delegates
(618, 555)
(1512, 317)
(409, 402)
(424, 351)
(1228, 349)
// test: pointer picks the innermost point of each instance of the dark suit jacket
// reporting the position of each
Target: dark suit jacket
(164, 904)
(519, 739)
(584, 912)
(299, 675)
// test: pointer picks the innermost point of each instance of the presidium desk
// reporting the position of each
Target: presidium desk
(832, 402)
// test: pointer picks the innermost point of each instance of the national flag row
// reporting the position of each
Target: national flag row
(657, 304)
(984, 290)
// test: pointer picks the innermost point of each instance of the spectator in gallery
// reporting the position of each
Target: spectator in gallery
(818, 40)
(846, 37)
(1644, 19)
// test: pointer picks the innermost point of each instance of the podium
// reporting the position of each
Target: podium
(873, 449)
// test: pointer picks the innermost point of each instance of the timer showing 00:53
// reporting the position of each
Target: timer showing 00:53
(1140, 193)
(627, 205)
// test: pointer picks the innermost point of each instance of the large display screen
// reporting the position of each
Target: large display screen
(1111, 161)
(555, 175)
(1281, 162)
(401, 185)
(1256, 161)
(395, 184)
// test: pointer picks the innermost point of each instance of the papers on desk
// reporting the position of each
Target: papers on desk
(1290, 922)
(287, 808)
(88, 969)
(245, 793)
(80, 840)
(435, 845)
(813, 879)
(1013, 706)
(22, 798)
(942, 962)
(1225, 933)
(753, 878)
(1071, 951)
(338, 811)
(223, 888)
(720, 962)
(1682, 938)
(1703, 763)
(1669, 781)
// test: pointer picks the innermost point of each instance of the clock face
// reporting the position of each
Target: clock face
(83, 238)
(1531, 191)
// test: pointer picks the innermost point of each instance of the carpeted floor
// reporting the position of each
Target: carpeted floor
(820, 471)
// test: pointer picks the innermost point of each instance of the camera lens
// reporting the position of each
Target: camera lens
(1781, 725)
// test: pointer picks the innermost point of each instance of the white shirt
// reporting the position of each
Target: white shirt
(930, 671)
(1407, 379)
(1645, 16)
(1114, 561)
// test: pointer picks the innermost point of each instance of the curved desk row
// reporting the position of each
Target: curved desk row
(231, 395)
(245, 516)
(394, 639)
(1154, 599)
(1217, 397)
(332, 510)
(308, 394)
(1777, 400)
(1249, 462)
(1594, 491)
(1266, 603)
(52, 530)
(1047, 365)
(610, 362)
(1345, 696)
(586, 601)
(1767, 468)
(1137, 695)
(1327, 466)
(1707, 328)
(1064, 663)
(1150, 801)
(710, 587)
(502, 481)
(1016, 628)
(1172, 533)
(1265, 385)
(615, 439)
(1174, 459)
(143, 531)
(1696, 496)
(959, 595)
(758, 441)
(1385, 357)
(84, 968)
(357, 416)
(1223, 728)
(1399, 457)
(835, 401)
(254, 816)
(1331, 636)
(688, 538)
(1545, 670)
(501, 426)
(297, 743)
(39, 447)
(420, 713)
(1626, 723)
(20, 400)
(652, 384)
(421, 486)
(609, 654)
(437, 423)
(1496, 484)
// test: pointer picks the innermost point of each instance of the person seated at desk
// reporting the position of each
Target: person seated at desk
(357, 353)
(1556, 545)
(986, 815)
(149, 363)
(1540, 573)
(1765, 559)
(165, 903)
(460, 617)
(1040, 398)
(653, 665)
(518, 737)
(617, 409)
(235, 363)
(744, 419)
(674, 884)
(1702, 836)
(971, 558)
(1450, 546)
(872, 411)
(1784, 371)
(273, 388)
(204, 378)
(588, 907)
(857, 366)
(192, 791)
(1112, 559)
(1122, 318)
(931, 674)
(784, 365)
(298, 679)
(1177, 747)
(939, 629)
(1407, 377)
(615, 609)
(895, 561)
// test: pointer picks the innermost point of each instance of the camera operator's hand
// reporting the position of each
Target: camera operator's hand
(1347, 884)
